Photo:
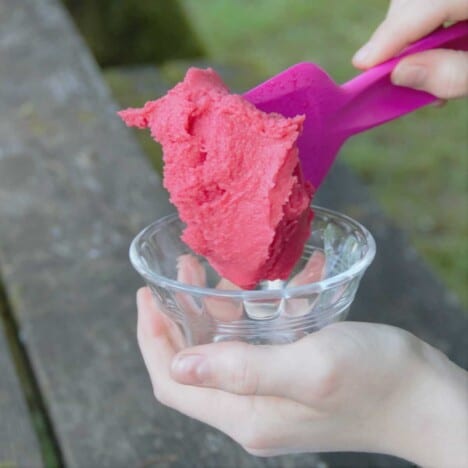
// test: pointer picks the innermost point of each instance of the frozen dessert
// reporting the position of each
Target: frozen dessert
(233, 173)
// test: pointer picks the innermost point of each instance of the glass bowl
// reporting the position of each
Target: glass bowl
(206, 308)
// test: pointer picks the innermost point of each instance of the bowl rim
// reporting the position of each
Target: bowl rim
(281, 293)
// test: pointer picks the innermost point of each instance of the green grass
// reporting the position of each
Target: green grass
(416, 167)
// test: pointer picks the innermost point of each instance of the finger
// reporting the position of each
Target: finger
(406, 22)
(150, 322)
(174, 333)
(313, 270)
(214, 407)
(152, 326)
(443, 73)
(439, 103)
(225, 309)
(190, 271)
(260, 370)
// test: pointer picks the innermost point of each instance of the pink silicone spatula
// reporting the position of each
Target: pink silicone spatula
(334, 113)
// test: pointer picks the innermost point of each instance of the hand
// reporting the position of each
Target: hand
(443, 73)
(350, 386)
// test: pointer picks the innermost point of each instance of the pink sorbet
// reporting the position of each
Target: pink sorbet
(234, 175)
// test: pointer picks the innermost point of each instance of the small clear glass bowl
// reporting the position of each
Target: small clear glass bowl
(276, 312)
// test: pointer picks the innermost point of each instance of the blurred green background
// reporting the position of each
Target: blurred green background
(416, 167)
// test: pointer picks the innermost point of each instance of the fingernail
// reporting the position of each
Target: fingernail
(412, 76)
(363, 54)
(190, 368)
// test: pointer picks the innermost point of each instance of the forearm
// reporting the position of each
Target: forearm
(430, 426)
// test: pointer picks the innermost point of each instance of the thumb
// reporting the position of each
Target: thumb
(443, 73)
(299, 371)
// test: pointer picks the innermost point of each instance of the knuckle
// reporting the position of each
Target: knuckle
(243, 378)
(254, 435)
(328, 368)
(454, 82)
(157, 393)
(254, 441)
(327, 379)
(396, 6)
(161, 395)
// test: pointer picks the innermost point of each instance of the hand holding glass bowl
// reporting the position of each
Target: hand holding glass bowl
(206, 308)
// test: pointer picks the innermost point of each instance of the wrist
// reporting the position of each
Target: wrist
(427, 419)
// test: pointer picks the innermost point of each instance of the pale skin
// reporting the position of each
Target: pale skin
(348, 387)
(443, 73)
(351, 386)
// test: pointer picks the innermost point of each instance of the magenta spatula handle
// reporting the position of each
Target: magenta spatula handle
(374, 100)
(333, 112)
